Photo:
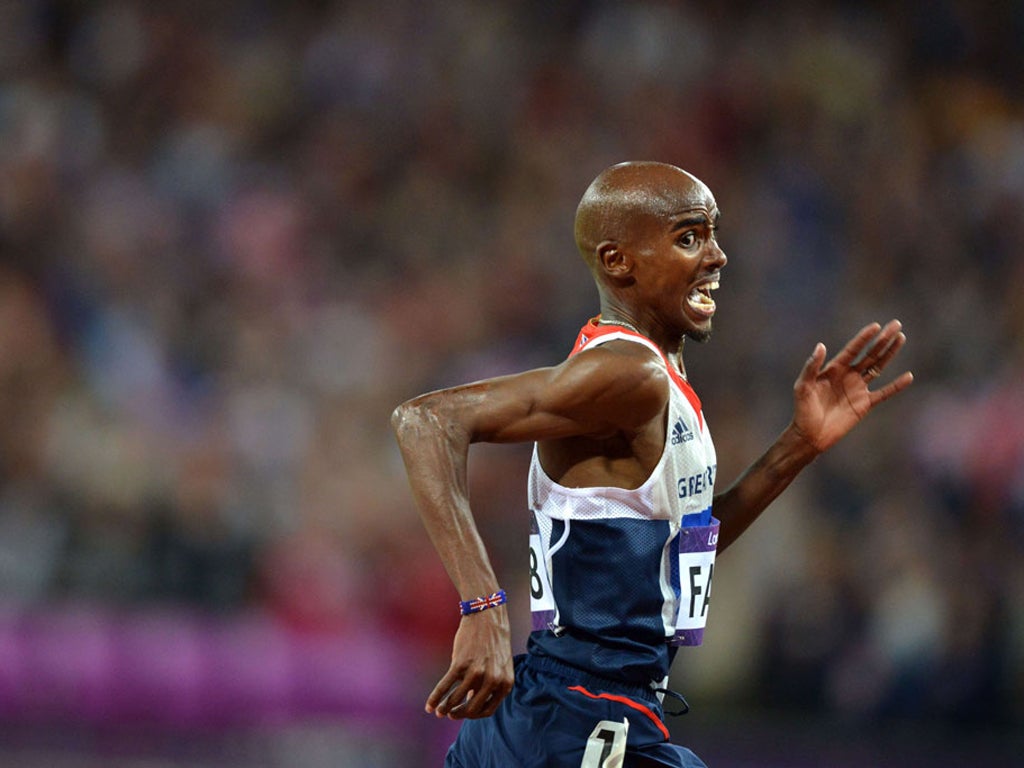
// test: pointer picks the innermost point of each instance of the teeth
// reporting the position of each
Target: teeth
(703, 292)
(700, 298)
(697, 296)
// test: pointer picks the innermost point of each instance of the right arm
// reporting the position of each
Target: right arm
(595, 393)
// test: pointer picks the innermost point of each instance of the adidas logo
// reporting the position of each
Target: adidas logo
(681, 433)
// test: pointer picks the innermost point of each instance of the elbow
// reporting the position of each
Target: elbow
(415, 417)
(402, 417)
(404, 426)
(426, 418)
(397, 417)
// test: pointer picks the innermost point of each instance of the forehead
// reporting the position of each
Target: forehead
(679, 193)
(637, 199)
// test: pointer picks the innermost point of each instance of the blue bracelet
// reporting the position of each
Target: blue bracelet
(483, 603)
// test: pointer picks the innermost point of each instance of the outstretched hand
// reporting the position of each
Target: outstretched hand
(480, 675)
(831, 398)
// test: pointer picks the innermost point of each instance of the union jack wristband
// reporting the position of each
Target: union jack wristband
(478, 604)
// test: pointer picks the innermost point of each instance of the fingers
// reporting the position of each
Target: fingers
(889, 352)
(441, 692)
(871, 349)
(476, 704)
(813, 365)
(472, 695)
(855, 346)
(883, 349)
(892, 388)
(460, 701)
(466, 703)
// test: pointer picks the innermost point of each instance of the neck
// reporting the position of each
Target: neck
(674, 353)
(603, 320)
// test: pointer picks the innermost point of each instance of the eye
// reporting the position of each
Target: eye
(688, 239)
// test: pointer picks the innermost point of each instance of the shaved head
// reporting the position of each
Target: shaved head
(625, 198)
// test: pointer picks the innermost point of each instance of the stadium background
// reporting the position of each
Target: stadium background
(234, 234)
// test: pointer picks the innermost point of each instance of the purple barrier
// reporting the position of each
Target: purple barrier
(181, 669)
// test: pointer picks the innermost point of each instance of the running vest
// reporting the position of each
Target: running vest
(620, 577)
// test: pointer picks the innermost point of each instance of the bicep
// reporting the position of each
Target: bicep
(588, 395)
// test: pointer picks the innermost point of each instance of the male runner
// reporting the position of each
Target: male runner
(621, 490)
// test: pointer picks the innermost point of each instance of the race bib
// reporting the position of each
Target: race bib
(697, 547)
(542, 602)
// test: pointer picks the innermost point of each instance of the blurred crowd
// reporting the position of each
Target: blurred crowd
(235, 234)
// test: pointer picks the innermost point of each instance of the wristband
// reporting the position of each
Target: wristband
(483, 603)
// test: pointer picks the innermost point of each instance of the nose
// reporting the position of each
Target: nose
(716, 256)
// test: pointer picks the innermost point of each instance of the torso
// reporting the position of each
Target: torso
(608, 519)
(620, 458)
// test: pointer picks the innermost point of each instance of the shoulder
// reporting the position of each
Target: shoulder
(624, 359)
(625, 377)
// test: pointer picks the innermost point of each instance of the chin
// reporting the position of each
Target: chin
(700, 335)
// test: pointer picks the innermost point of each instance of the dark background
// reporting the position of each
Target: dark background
(235, 234)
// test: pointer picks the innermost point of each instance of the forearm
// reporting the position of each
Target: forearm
(742, 503)
(435, 451)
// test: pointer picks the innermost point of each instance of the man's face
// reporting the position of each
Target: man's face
(679, 259)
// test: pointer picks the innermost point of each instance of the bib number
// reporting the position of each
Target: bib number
(542, 602)
(697, 548)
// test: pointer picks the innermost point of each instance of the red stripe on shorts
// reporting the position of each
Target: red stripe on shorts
(628, 702)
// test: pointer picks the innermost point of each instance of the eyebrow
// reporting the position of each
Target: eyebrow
(696, 220)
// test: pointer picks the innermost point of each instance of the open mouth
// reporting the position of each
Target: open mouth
(700, 300)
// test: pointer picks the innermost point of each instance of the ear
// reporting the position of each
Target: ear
(612, 260)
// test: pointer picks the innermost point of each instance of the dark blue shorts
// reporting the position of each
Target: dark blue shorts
(559, 717)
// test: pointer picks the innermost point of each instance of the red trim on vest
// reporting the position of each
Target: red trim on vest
(628, 702)
(593, 330)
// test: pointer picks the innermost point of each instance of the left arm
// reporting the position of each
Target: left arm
(828, 401)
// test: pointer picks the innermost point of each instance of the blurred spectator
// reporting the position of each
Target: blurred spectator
(234, 235)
